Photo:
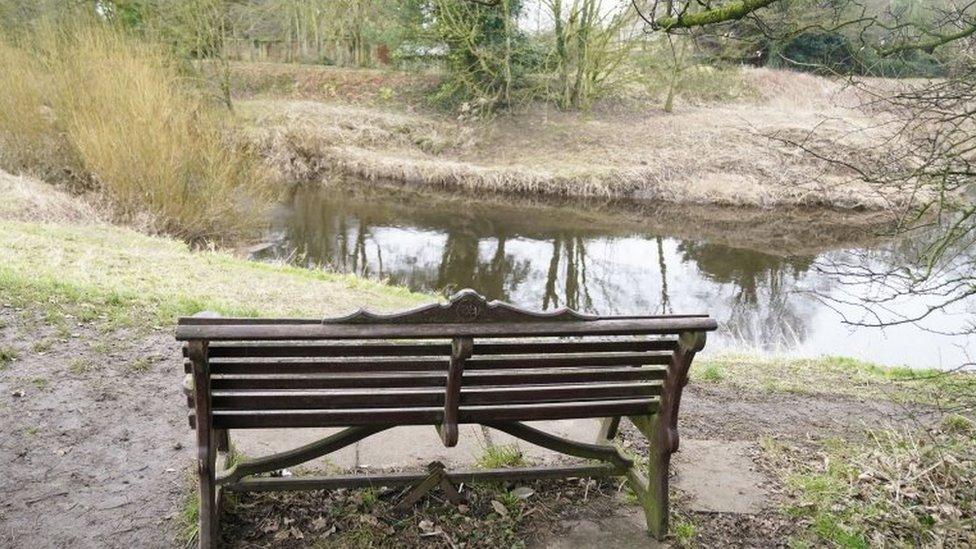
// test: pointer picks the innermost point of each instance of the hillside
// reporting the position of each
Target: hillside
(311, 122)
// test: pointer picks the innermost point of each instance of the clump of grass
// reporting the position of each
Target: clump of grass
(81, 365)
(7, 355)
(91, 106)
(189, 519)
(42, 345)
(899, 488)
(496, 456)
(684, 532)
(142, 364)
(710, 372)
(958, 424)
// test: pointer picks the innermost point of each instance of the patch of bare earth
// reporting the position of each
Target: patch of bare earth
(93, 440)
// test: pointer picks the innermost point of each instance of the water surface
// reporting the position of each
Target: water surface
(761, 280)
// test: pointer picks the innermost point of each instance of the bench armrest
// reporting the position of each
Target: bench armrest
(689, 343)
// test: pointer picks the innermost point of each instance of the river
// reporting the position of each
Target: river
(762, 278)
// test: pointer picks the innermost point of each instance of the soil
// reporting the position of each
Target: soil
(97, 452)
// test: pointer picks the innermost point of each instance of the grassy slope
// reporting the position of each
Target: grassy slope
(309, 120)
(96, 271)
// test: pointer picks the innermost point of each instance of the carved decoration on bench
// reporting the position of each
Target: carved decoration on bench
(464, 306)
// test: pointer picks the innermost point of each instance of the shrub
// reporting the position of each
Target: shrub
(99, 109)
(819, 52)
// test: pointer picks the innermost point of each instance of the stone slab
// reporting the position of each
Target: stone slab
(719, 476)
(625, 529)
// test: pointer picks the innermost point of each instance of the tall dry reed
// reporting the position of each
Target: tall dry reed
(92, 106)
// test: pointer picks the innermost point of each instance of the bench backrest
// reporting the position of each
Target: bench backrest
(467, 361)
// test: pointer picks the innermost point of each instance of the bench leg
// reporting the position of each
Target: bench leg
(608, 429)
(652, 490)
(222, 440)
(208, 522)
(657, 505)
(209, 495)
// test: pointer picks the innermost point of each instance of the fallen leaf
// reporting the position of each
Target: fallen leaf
(319, 523)
(523, 492)
(426, 526)
(499, 507)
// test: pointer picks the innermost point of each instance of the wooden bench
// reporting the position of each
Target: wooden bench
(466, 361)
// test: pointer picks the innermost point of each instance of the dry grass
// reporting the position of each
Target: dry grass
(95, 108)
(898, 488)
(713, 153)
(26, 199)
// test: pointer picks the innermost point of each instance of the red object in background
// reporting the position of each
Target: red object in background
(383, 54)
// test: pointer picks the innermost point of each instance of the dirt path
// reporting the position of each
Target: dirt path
(93, 442)
(97, 452)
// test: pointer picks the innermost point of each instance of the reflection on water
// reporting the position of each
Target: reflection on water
(547, 258)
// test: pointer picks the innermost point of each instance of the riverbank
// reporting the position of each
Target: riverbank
(98, 449)
(312, 123)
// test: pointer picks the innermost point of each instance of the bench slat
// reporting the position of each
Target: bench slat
(302, 349)
(427, 379)
(297, 349)
(290, 366)
(238, 329)
(272, 366)
(385, 398)
(248, 419)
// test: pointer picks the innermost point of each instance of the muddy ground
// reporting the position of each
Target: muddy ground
(96, 451)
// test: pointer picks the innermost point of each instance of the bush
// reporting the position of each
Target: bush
(819, 52)
(826, 52)
(97, 109)
(484, 52)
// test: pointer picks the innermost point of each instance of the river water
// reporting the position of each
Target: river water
(763, 281)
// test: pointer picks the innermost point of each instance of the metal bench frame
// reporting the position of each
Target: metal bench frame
(465, 319)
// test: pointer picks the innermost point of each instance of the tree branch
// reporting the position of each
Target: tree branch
(732, 11)
(929, 45)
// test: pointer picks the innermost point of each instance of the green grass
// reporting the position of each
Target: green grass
(123, 278)
(834, 375)
(684, 532)
(189, 519)
(496, 456)
(709, 372)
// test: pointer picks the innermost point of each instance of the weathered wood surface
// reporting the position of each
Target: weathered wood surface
(467, 361)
